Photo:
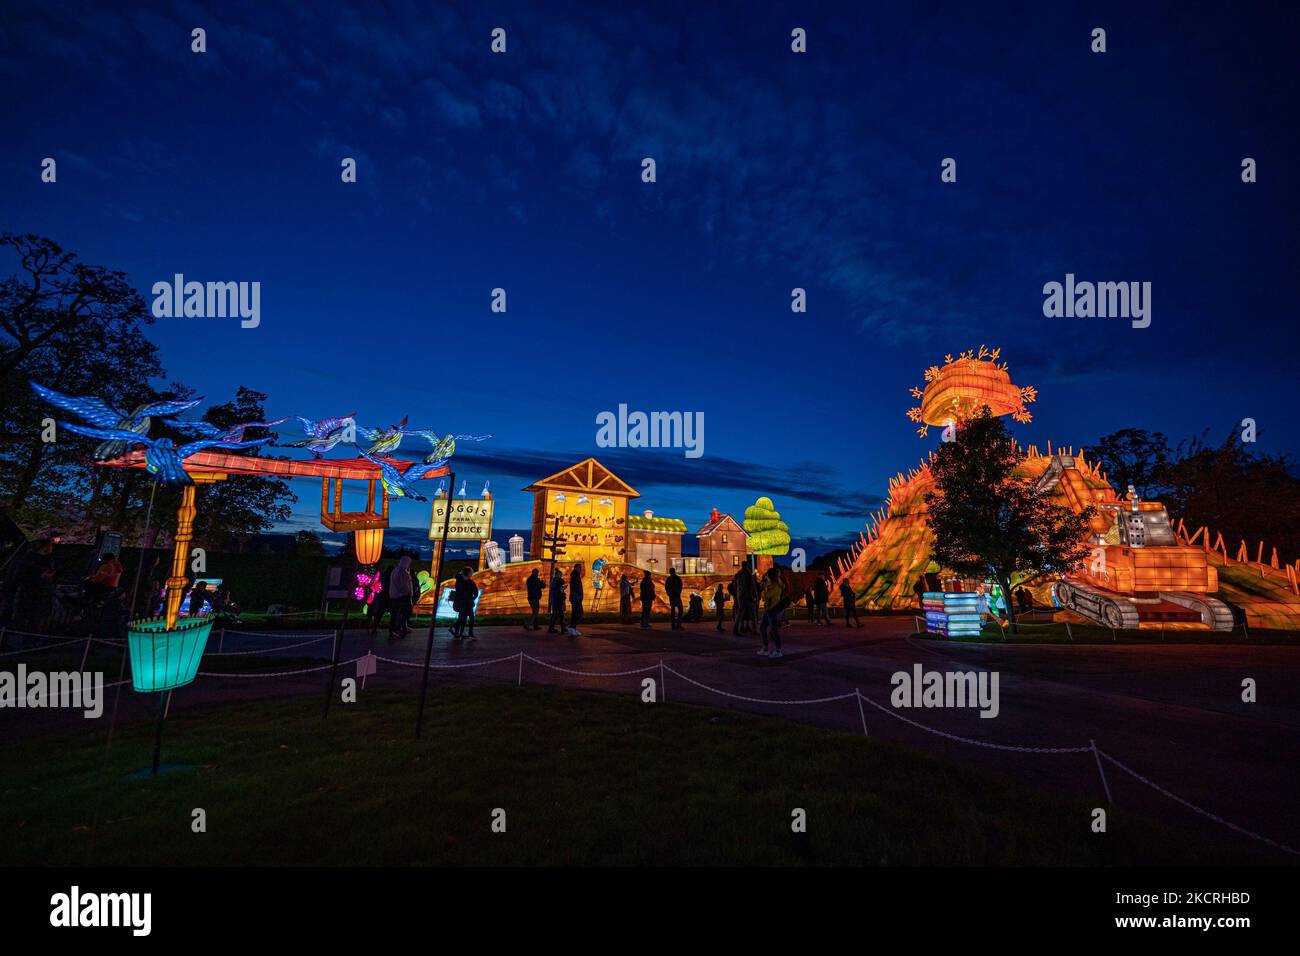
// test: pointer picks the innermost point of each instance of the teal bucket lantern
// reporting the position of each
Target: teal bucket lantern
(163, 659)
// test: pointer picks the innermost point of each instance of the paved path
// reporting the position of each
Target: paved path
(1172, 712)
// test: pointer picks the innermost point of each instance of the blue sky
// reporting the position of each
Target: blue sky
(775, 170)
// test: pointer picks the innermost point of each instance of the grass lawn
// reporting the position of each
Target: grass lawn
(583, 778)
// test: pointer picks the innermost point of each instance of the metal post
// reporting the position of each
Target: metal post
(157, 740)
(437, 598)
(334, 672)
(139, 565)
(1105, 786)
(555, 543)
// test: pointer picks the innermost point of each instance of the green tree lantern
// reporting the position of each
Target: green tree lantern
(768, 534)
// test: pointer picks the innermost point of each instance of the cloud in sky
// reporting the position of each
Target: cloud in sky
(643, 468)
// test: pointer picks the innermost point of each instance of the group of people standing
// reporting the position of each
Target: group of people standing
(396, 597)
(817, 600)
(645, 591)
(751, 593)
(535, 586)
(399, 592)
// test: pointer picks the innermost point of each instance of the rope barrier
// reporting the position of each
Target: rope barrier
(42, 650)
(270, 650)
(44, 637)
(418, 666)
(306, 670)
(755, 700)
(69, 691)
(970, 740)
(1195, 809)
(231, 630)
(566, 670)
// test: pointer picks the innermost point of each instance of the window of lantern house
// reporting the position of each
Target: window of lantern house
(735, 560)
(724, 538)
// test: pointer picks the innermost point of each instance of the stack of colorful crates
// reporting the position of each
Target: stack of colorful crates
(952, 613)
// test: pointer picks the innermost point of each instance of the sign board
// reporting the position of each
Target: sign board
(337, 586)
(471, 519)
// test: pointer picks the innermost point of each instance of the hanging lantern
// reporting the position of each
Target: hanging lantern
(368, 543)
(165, 658)
(367, 526)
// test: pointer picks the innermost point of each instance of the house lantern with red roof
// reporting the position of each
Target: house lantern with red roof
(722, 543)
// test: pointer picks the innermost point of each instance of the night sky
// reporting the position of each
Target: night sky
(775, 170)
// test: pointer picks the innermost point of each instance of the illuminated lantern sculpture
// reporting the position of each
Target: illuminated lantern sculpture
(367, 526)
(956, 391)
(368, 543)
(165, 658)
(768, 534)
(368, 586)
(165, 652)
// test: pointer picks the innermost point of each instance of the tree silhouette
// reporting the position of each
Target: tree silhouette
(77, 328)
(53, 294)
(1134, 456)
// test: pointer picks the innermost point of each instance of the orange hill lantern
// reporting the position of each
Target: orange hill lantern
(957, 390)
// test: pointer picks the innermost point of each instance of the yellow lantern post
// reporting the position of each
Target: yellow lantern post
(181, 549)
